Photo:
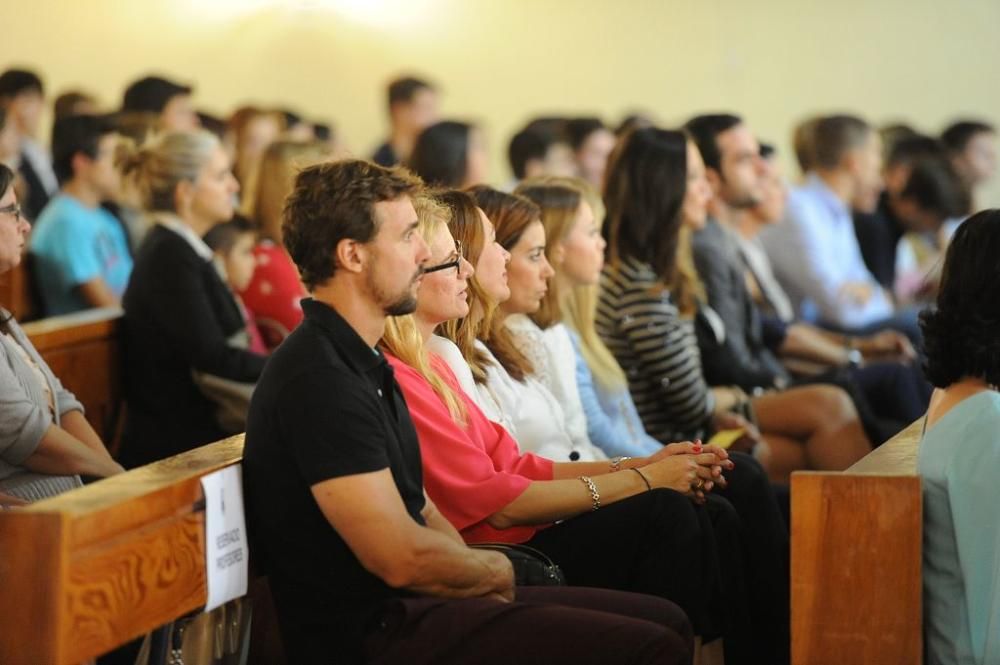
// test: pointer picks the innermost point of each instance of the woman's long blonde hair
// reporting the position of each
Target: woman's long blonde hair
(577, 307)
(402, 338)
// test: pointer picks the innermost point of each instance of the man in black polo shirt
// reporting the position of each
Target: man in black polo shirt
(362, 566)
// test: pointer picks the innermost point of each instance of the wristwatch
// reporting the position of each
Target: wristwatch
(616, 462)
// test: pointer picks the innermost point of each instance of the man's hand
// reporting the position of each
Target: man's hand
(857, 293)
(888, 344)
(502, 571)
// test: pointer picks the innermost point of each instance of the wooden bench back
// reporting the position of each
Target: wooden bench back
(87, 571)
(856, 560)
(16, 292)
(84, 351)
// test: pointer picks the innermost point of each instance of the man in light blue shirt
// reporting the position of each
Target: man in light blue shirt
(80, 250)
(815, 251)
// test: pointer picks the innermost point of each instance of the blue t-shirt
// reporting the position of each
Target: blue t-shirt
(958, 461)
(72, 244)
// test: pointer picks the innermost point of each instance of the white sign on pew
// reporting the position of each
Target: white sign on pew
(226, 551)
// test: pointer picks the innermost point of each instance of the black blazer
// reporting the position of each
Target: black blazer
(178, 315)
(37, 197)
(742, 358)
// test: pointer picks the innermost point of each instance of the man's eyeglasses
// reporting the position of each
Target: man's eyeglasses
(13, 209)
(452, 262)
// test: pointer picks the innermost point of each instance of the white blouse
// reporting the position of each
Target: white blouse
(554, 359)
(527, 410)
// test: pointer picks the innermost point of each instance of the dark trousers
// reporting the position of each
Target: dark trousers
(896, 391)
(753, 536)
(545, 625)
(650, 543)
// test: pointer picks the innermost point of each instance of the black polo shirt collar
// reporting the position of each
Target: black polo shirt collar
(356, 351)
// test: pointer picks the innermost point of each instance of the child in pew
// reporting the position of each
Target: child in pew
(232, 243)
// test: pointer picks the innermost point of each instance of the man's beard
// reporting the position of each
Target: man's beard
(398, 304)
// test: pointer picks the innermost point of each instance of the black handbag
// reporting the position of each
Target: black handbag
(531, 567)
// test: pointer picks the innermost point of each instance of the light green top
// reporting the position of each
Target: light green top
(959, 461)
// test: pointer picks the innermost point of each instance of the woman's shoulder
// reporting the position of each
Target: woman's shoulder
(971, 427)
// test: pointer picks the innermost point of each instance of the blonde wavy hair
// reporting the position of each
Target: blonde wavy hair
(402, 338)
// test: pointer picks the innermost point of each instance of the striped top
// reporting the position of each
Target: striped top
(657, 349)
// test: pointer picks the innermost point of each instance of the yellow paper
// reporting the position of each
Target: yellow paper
(726, 437)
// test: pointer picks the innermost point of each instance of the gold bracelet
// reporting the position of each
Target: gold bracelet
(595, 496)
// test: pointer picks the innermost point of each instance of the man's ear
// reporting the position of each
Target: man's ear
(849, 162)
(714, 179)
(533, 167)
(350, 255)
(79, 162)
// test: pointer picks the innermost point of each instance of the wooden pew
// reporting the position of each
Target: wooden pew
(87, 571)
(16, 293)
(83, 350)
(856, 560)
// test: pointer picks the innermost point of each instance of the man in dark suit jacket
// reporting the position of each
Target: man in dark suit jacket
(743, 351)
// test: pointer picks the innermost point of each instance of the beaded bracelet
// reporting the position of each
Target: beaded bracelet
(594, 494)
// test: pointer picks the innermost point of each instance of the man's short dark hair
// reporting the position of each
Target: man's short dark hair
(405, 88)
(334, 201)
(212, 123)
(66, 103)
(960, 332)
(578, 129)
(957, 136)
(14, 82)
(913, 149)
(935, 187)
(77, 134)
(836, 135)
(704, 130)
(529, 144)
(152, 93)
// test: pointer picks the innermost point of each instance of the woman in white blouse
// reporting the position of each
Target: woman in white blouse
(480, 350)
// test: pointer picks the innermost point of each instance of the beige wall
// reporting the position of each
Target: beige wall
(501, 61)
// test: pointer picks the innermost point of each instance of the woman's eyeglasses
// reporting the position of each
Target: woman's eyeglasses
(452, 262)
(13, 209)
